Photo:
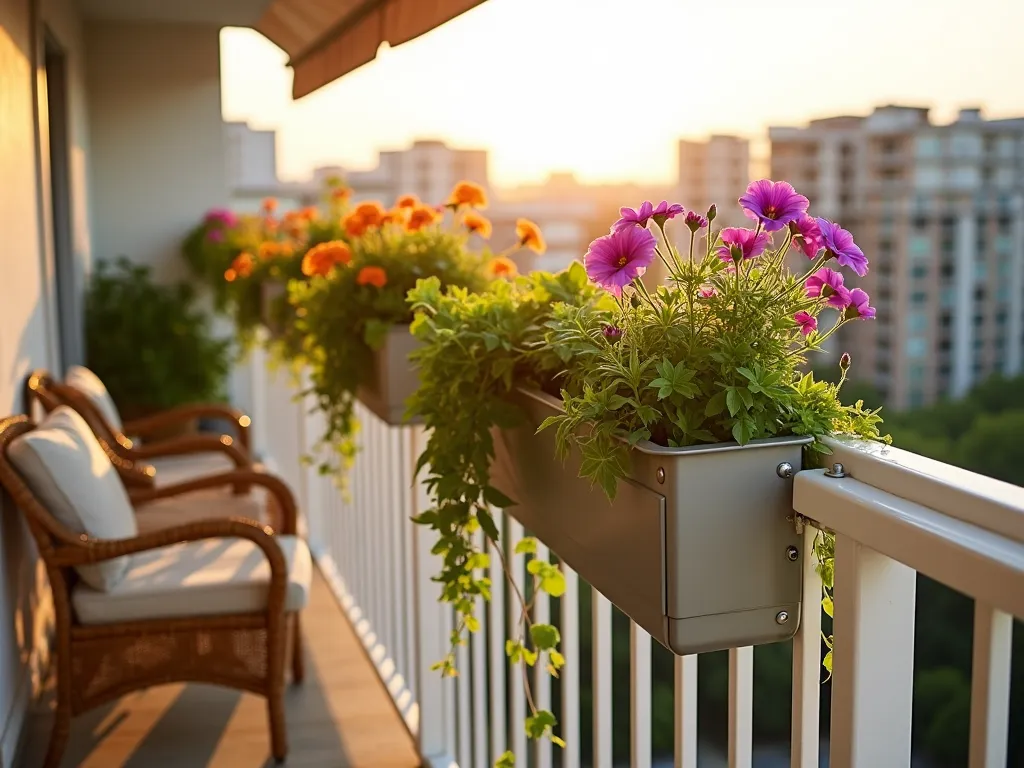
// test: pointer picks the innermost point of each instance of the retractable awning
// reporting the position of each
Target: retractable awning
(329, 38)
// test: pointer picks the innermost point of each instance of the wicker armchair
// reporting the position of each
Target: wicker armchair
(98, 660)
(139, 464)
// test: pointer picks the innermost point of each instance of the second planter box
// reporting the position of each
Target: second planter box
(698, 547)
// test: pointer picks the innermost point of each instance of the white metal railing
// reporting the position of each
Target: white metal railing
(894, 514)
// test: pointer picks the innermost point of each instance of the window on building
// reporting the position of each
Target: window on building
(919, 271)
(928, 146)
(915, 398)
(917, 346)
(946, 319)
(916, 373)
(917, 322)
(948, 297)
(920, 246)
(1003, 293)
(945, 345)
(979, 320)
(919, 298)
(979, 344)
(1000, 318)
(1004, 245)
(920, 222)
(944, 370)
(947, 270)
(980, 271)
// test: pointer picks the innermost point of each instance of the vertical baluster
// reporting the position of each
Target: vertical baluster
(872, 670)
(685, 689)
(408, 451)
(396, 520)
(517, 694)
(463, 705)
(807, 663)
(379, 546)
(478, 648)
(601, 679)
(639, 696)
(570, 673)
(990, 686)
(436, 705)
(496, 645)
(741, 706)
(541, 677)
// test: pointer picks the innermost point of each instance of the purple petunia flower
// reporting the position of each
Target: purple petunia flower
(838, 242)
(612, 332)
(773, 203)
(828, 284)
(663, 212)
(806, 235)
(221, 216)
(738, 243)
(807, 322)
(859, 306)
(629, 217)
(615, 260)
(695, 221)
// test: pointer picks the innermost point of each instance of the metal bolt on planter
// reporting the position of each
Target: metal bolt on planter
(792, 553)
(784, 470)
(781, 617)
(837, 470)
(660, 474)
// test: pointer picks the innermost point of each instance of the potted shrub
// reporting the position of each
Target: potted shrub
(673, 410)
(351, 312)
(149, 343)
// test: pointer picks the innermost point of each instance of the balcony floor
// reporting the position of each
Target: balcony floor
(340, 717)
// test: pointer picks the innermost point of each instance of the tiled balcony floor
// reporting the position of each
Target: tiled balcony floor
(340, 717)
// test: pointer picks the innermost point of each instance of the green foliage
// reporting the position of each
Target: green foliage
(340, 323)
(149, 343)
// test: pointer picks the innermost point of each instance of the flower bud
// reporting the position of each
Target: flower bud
(844, 362)
(612, 332)
(712, 213)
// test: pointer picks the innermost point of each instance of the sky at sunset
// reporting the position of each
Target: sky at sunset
(603, 87)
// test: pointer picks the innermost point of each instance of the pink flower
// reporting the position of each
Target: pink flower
(773, 203)
(738, 243)
(807, 322)
(615, 260)
(839, 243)
(859, 306)
(807, 235)
(215, 235)
(630, 218)
(706, 291)
(828, 284)
(663, 212)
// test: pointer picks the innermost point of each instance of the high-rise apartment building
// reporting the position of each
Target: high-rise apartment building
(714, 171)
(939, 211)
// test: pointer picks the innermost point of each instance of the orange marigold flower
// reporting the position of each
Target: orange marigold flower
(375, 276)
(269, 204)
(407, 201)
(420, 217)
(322, 258)
(371, 213)
(230, 275)
(341, 193)
(468, 193)
(499, 266)
(309, 213)
(477, 224)
(354, 224)
(268, 250)
(243, 265)
(529, 236)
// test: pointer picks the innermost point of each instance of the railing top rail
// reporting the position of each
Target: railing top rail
(957, 493)
(976, 561)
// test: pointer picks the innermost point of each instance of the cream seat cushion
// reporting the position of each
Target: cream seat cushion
(212, 577)
(171, 470)
(203, 505)
(65, 467)
(90, 385)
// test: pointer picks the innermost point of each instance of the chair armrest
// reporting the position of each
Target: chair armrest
(87, 550)
(278, 488)
(186, 444)
(149, 424)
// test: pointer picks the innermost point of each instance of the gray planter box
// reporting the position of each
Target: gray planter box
(270, 294)
(393, 379)
(696, 546)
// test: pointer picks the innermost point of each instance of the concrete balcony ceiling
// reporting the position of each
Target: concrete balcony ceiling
(235, 13)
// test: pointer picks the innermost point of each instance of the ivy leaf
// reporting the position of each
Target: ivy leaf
(557, 659)
(537, 725)
(507, 760)
(496, 498)
(826, 605)
(827, 662)
(544, 636)
(472, 623)
(487, 523)
(527, 546)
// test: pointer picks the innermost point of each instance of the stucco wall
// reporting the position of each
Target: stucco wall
(156, 135)
(27, 312)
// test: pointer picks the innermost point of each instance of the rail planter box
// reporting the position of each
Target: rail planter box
(272, 297)
(696, 548)
(393, 379)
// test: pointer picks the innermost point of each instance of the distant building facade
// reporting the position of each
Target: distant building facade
(939, 210)
(714, 171)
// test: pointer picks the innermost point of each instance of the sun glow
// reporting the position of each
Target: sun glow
(604, 88)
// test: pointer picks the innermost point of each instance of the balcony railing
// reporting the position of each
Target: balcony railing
(894, 514)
